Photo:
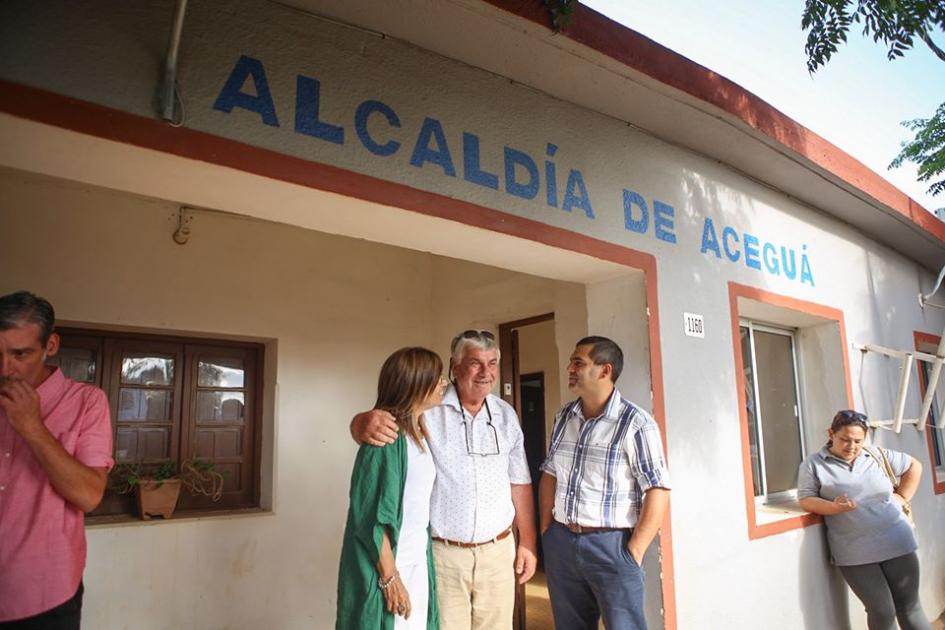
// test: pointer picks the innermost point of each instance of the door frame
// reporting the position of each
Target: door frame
(509, 383)
(509, 374)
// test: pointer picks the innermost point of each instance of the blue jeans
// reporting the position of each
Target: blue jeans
(591, 576)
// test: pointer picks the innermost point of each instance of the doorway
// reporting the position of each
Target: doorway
(585, 280)
(530, 376)
(532, 400)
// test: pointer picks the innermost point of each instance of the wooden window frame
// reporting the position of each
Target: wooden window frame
(107, 345)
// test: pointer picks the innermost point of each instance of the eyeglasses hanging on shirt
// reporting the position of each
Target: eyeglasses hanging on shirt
(482, 439)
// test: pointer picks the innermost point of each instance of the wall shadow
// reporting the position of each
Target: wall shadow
(820, 607)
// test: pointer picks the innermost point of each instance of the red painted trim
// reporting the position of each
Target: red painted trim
(637, 52)
(667, 582)
(736, 291)
(96, 120)
(921, 338)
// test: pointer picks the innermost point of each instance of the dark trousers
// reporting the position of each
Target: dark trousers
(65, 616)
(890, 592)
(592, 576)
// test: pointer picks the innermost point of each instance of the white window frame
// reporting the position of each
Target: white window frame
(785, 496)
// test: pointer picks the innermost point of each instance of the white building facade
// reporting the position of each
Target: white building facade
(353, 177)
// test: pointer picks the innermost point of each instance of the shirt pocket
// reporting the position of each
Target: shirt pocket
(596, 456)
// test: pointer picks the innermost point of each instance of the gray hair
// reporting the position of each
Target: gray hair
(479, 339)
(24, 307)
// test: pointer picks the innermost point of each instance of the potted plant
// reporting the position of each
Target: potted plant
(158, 486)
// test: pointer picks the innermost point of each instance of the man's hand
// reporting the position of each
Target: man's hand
(525, 563)
(375, 427)
(635, 552)
(525, 556)
(21, 404)
(74, 481)
(655, 504)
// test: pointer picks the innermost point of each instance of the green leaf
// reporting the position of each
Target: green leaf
(895, 23)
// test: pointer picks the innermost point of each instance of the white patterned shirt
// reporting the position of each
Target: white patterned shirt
(477, 461)
(603, 465)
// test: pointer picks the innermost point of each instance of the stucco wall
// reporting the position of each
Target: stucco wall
(329, 310)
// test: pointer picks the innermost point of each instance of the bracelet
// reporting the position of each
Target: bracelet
(385, 584)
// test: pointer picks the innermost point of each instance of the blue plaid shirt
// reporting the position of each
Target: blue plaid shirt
(603, 465)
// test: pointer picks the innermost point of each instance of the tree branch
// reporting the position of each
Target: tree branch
(935, 49)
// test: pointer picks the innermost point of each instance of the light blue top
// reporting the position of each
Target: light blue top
(877, 529)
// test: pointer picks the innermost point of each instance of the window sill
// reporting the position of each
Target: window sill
(777, 517)
(124, 520)
(777, 511)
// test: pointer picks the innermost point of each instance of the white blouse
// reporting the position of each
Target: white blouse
(421, 472)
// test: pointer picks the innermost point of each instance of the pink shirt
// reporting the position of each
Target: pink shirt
(42, 537)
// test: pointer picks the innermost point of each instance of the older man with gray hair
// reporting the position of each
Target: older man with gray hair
(482, 490)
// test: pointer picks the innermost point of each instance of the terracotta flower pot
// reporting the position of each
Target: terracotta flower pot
(158, 498)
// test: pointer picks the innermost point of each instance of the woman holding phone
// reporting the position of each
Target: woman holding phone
(385, 579)
(870, 536)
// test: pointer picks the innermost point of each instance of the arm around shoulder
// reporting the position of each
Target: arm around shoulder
(375, 427)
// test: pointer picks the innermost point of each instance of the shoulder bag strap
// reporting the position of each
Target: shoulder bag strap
(889, 471)
(883, 462)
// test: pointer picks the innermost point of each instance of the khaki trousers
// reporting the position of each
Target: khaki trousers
(476, 586)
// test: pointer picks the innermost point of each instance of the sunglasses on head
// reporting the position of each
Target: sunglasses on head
(848, 416)
(481, 335)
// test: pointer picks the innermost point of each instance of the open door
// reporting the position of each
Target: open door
(530, 383)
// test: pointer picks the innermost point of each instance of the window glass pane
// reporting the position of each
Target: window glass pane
(144, 405)
(146, 369)
(220, 407)
(938, 435)
(224, 372)
(750, 407)
(938, 442)
(777, 391)
(75, 363)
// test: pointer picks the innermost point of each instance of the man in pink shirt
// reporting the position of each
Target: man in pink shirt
(55, 454)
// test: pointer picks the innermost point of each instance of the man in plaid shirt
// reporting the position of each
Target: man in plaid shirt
(603, 493)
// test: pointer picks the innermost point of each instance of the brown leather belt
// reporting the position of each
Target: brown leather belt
(590, 529)
(466, 545)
